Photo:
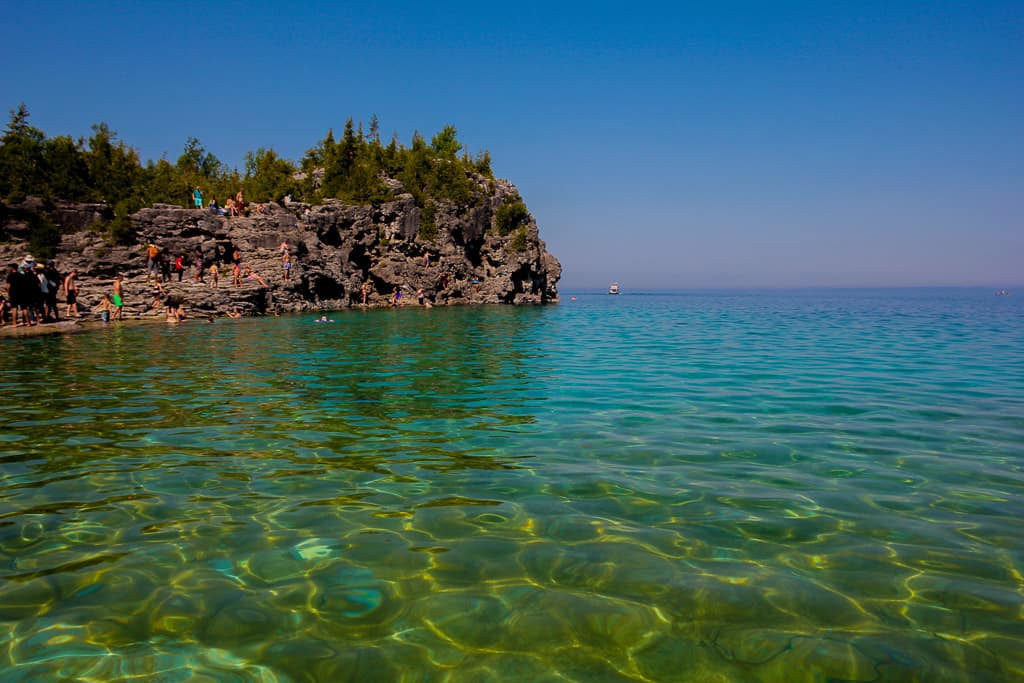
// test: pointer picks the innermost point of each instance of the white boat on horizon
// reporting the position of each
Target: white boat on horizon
(614, 288)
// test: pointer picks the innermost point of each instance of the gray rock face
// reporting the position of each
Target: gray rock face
(334, 249)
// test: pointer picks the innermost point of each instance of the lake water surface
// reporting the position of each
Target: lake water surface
(712, 486)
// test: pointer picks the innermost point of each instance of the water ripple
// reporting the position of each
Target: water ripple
(699, 486)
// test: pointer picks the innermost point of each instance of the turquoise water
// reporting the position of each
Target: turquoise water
(716, 486)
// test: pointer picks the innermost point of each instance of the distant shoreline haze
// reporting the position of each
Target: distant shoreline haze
(569, 287)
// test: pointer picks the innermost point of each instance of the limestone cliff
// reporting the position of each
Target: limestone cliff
(335, 248)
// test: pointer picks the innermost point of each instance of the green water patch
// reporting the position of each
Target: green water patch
(719, 488)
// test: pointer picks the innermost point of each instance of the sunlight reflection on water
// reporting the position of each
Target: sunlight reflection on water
(699, 486)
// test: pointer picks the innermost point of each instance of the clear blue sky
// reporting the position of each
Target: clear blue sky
(751, 144)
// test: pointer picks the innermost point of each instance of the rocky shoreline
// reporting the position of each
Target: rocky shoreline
(335, 249)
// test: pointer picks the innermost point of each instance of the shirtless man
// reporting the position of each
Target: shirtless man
(71, 290)
(118, 298)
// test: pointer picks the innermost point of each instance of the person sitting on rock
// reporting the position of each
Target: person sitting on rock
(158, 294)
(250, 275)
(106, 308)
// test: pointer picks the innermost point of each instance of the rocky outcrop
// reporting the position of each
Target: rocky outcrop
(457, 258)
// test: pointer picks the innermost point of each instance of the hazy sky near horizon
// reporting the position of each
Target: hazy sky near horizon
(718, 144)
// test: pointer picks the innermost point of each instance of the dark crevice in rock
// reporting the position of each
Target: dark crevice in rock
(324, 288)
(331, 237)
(359, 258)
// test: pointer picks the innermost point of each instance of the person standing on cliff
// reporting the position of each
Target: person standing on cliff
(179, 265)
(165, 266)
(44, 296)
(366, 290)
(33, 292)
(71, 291)
(239, 203)
(286, 265)
(118, 298)
(197, 197)
(15, 296)
(49, 282)
(198, 277)
(236, 269)
(152, 265)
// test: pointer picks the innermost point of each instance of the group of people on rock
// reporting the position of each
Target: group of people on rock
(233, 206)
(32, 292)
(207, 269)
(203, 267)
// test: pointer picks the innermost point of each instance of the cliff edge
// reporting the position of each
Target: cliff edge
(449, 255)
